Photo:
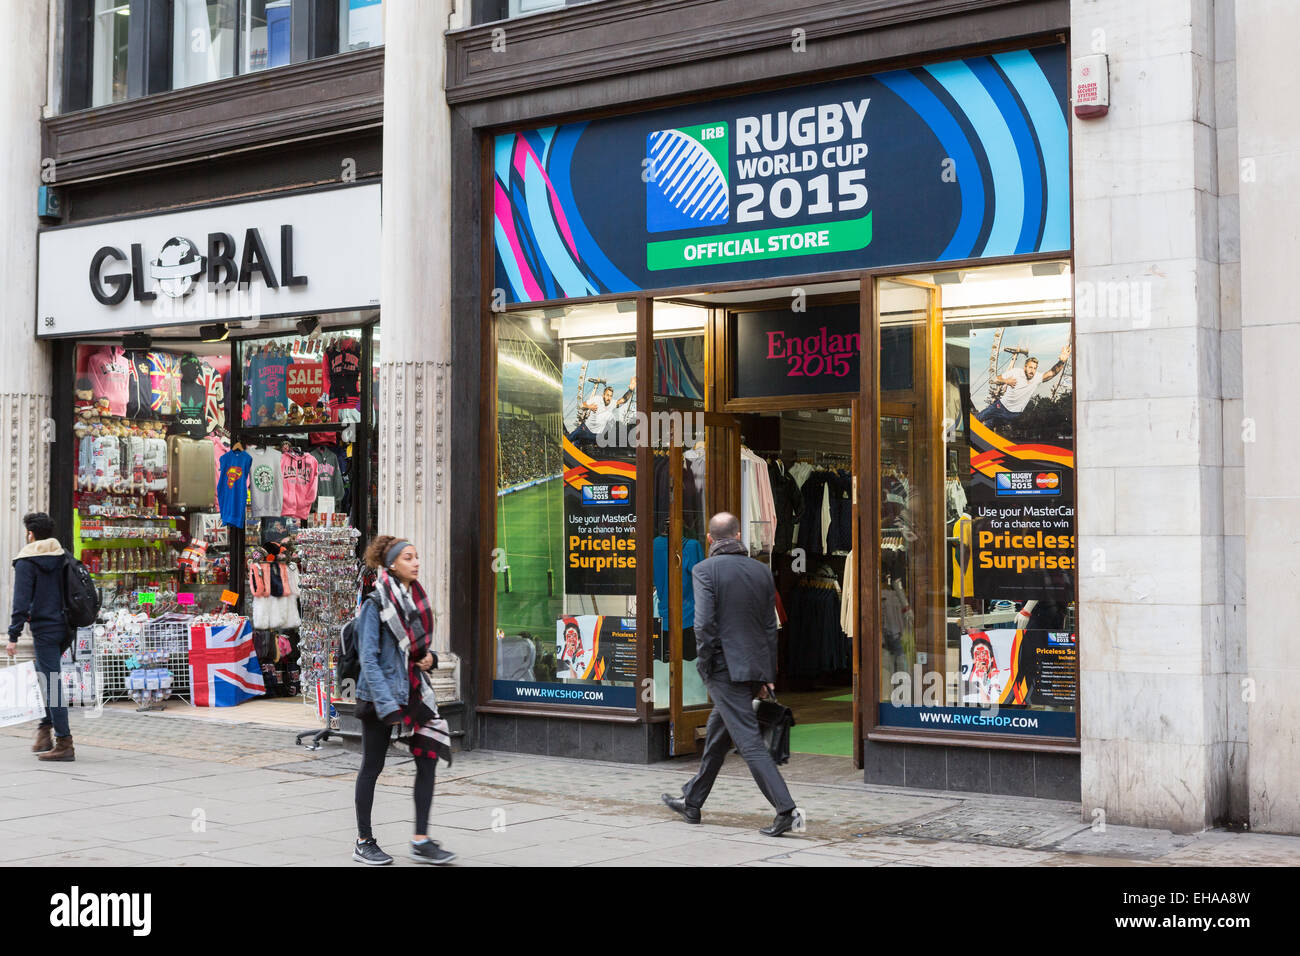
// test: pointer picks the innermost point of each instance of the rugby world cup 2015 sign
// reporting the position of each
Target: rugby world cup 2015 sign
(958, 160)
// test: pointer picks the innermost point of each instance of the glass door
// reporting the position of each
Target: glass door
(702, 478)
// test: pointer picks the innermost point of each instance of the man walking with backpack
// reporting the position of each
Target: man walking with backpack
(735, 633)
(39, 602)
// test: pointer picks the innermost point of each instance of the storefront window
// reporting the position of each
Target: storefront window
(361, 24)
(111, 26)
(977, 520)
(566, 507)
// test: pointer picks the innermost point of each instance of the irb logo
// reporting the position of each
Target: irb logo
(686, 177)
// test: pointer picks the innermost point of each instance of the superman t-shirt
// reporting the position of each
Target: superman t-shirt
(232, 489)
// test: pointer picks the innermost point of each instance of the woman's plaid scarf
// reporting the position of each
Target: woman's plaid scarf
(410, 620)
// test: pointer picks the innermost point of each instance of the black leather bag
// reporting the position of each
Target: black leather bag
(774, 723)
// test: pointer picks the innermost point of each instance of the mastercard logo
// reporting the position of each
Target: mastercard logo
(618, 492)
(1047, 479)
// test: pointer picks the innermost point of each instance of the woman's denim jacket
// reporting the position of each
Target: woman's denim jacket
(383, 680)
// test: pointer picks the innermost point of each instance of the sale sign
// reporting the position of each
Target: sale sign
(306, 382)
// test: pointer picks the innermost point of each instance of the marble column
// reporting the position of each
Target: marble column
(415, 301)
(1268, 167)
(1154, 664)
(25, 428)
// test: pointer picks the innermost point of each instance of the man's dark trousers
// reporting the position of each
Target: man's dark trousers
(733, 720)
(48, 665)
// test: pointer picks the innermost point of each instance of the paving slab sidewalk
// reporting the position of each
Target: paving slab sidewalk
(146, 791)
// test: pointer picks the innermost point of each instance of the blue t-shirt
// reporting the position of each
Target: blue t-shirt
(692, 554)
(267, 387)
(232, 488)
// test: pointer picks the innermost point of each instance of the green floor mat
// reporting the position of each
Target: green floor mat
(848, 697)
(832, 740)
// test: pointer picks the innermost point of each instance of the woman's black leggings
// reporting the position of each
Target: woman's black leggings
(374, 748)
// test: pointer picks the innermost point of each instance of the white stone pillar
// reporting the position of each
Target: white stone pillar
(1153, 667)
(25, 429)
(1268, 168)
(415, 301)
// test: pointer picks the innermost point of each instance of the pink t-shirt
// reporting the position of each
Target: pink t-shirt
(299, 474)
(110, 375)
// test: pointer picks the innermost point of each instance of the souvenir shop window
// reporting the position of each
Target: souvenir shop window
(149, 436)
(299, 502)
(979, 549)
(303, 380)
(566, 507)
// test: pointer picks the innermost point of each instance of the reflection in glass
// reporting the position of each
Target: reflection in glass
(111, 29)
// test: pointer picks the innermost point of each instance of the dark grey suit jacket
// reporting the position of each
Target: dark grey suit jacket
(735, 615)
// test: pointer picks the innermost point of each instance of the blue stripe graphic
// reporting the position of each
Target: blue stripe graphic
(1004, 163)
(1024, 140)
(1053, 141)
(607, 275)
(914, 93)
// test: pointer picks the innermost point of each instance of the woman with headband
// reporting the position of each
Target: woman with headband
(395, 689)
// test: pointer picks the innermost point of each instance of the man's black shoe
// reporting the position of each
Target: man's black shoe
(678, 805)
(781, 823)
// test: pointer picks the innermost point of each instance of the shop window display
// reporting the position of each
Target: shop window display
(191, 532)
(977, 519)
(566, 507)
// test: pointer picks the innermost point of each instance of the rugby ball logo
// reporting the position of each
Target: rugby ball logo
(686, 178)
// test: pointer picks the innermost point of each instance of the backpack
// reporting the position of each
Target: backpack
(348, 668)
(80, 597)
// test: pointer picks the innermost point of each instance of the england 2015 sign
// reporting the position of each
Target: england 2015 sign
(957, 160)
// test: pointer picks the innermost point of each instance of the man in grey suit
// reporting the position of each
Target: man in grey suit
(735, 633)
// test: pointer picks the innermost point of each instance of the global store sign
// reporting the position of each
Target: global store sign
(292, 255)
(960, 160)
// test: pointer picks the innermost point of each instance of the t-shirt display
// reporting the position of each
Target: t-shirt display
(266, 483)
(110, 375)
(329, 477)
(190, 418)
(267, 387)
(343, 363)
(232, 488)
(139, 392)
(298, 472)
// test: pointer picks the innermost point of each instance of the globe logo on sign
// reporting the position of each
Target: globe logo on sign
(686, 177)
(176, 267)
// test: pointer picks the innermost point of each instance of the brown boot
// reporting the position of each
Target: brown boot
(62, 750)
(44, 739)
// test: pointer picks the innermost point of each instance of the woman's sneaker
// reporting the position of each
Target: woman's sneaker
(367, 851)
(430, 852)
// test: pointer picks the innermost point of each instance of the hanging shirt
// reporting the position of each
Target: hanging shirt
(267, 386)
(164, 382)
(963, 579)
(139, 388)
(214, 397)
(267, 483)
(692, 554)
(110, 375)
(232, 489)
(343, 366)
(190, 419)
(298, 472)
(329, 478)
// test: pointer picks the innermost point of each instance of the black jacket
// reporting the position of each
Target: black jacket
(38, 591)
(735, 615)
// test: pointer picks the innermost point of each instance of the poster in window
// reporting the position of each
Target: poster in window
(595, 647)
(599, 409)
(1020, 491)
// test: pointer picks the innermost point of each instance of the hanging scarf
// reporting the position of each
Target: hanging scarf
(409, 618)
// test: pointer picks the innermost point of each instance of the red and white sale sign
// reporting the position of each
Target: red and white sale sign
(306, 382)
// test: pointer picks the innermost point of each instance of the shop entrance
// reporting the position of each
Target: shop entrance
(779, 448)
